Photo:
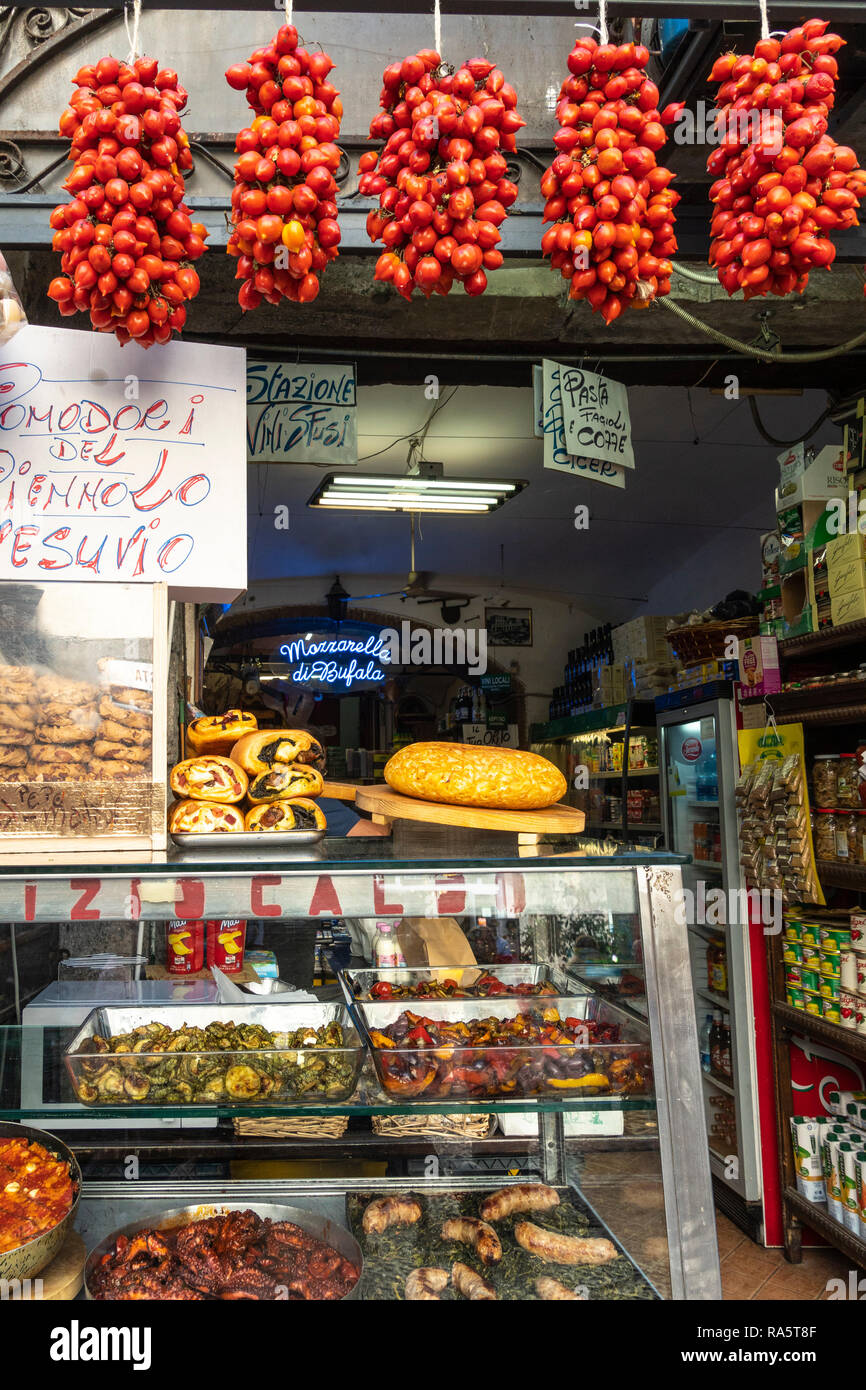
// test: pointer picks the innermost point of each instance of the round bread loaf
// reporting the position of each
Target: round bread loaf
(459, 774)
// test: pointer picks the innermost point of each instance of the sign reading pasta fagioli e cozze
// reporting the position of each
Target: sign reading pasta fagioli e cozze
(120, 464)
(301, 412)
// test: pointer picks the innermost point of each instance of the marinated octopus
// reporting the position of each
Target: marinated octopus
(234, 1256)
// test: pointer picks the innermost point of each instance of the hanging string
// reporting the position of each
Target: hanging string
(437, 28)
(133, 37)
(289, 4)
(602, 20)
(765, 20)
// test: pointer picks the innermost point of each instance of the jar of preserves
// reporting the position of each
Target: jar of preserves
(825, 835)
(847, 788)
(824, 775)
(853, 837)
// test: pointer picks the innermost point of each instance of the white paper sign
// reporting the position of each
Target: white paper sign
(507, 737)
(121, 464)
(133, 675)
(301, 412)
(538, 400)
(596, 416)
(556, 454)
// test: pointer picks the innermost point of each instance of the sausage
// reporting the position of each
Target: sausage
(523, 1196)
(478, 1234)
(470, 1284)
(426, 1284)
(390, 1211)
(557, 1249)
(552, 1291)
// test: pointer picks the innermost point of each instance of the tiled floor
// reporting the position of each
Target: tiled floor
(750, 1271)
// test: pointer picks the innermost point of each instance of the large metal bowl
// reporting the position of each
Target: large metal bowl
(27, 1260)
(322, 1227)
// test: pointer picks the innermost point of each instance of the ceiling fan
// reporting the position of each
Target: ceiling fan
(418, 586)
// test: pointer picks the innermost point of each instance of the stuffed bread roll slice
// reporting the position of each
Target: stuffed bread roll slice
(277, 748)
(297, 813)
(283, 782)
(218, 733)
(204, 818)
(209, 778)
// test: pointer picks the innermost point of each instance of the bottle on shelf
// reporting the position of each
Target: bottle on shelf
(706, 1064)
(716, 1044)
(726, 1063)
(386, 947)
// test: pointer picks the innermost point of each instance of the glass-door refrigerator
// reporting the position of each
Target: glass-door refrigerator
(699, 768)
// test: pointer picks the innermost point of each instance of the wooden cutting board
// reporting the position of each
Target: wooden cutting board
(340, 791)
(62, 1279)
(387, 805)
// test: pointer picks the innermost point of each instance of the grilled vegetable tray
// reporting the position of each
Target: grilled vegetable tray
(566, 1046)
(392, 1255)
(212, 1054)
(451, 981)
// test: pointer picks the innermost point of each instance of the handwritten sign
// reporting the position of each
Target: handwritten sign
(120, 464)
(508, 737)
(298, 412)
(557, 453)
(596, 416)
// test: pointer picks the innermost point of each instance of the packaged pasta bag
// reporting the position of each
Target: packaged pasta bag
(12, 316)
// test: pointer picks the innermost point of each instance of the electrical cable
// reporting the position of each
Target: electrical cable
(703, 277)
(762, 354)
(786, 443)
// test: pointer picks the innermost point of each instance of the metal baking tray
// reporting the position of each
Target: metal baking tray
(451, 1071)
(392, 1256)
(356, 984)
(267, 1063)
(249, 839)
(322, 1227)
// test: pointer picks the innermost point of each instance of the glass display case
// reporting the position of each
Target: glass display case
(582, 1079)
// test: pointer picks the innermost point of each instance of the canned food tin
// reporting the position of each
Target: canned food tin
(848, 969)
(858, 931)
(794, 931)
(829, 988)
(814, 1003)
(861, 974)
(793, 975)
(861, 1014)
(848, 1009)
(811, 957)
(835, 938)
(830, 1010)
(225, 945)
(795, 997)
(830, 965)
(811, 980)
(184, 947)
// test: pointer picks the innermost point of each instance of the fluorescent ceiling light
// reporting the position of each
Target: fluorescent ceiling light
(390, 493)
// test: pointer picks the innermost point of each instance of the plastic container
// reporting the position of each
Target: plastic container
(847, 782)
(386, 948)
(825, 771)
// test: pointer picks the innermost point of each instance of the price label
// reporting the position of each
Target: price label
(136, 675)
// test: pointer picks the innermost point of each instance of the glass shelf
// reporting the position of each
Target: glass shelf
(35, 1089)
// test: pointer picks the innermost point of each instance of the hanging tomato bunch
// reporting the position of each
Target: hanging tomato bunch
(284, 206)
(441, 177)
(609, 200)
(127, 237)
(783, 185)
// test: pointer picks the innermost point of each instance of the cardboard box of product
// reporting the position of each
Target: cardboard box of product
(847, 579)
(759, 665)
(821, 479)
(842, 550)
(797, 605)
(848, 608)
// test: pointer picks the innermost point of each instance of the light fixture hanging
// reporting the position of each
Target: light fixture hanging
(427, 492)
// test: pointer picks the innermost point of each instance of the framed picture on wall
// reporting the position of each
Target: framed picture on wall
(508, 627)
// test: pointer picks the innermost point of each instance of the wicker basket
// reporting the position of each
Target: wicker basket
(294, 1127)
(435, 1126)
(708, 641)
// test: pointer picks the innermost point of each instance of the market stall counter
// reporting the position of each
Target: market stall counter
(528, 1126)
